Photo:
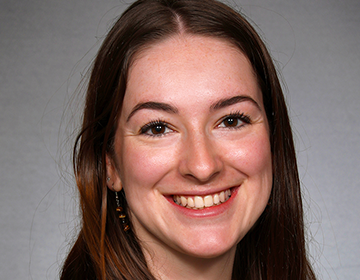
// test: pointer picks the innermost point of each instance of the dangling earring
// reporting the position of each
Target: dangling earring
(122, 215)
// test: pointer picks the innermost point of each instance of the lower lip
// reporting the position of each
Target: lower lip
(206, 212)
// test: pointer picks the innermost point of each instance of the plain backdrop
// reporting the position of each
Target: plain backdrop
(45, 48)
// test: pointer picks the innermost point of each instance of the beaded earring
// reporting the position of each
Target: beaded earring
(122, 215)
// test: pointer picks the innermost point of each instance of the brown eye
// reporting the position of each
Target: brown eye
(231, 122)
(155, 129)
(235, 121)
(158, 129)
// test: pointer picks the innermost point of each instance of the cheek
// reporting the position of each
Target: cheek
(252, 156)
(144, 166)
(254, 161)
(259, 157)
(258, 161)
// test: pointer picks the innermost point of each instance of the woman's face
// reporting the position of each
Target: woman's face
(192, 147)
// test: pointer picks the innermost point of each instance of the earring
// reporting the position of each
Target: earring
(122, 215)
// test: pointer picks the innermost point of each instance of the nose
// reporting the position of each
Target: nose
(200, 161)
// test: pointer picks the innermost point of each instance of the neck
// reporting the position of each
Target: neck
(174, 265)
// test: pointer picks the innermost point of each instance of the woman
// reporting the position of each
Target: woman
(185, 163)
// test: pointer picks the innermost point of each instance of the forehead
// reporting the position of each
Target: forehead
(191, 65)
(184, 49)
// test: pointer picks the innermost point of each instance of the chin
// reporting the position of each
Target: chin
(207, 246)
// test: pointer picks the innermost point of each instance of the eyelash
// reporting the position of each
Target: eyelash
(145, 129)
(245, 119)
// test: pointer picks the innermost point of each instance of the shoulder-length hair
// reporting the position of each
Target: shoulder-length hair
(275, 246)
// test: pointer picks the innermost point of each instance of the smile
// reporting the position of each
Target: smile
(201, 202)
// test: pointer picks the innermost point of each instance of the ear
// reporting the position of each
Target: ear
(113, 180)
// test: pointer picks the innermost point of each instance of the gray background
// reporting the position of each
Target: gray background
(45, 47)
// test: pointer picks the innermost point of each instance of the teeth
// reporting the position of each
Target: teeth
(216, 199)
(190, 202)
(222, 197)
(177, 199)
(199, 202)
(208, 200)
(184, 201)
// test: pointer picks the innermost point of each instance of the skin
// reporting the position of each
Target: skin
(202, 146)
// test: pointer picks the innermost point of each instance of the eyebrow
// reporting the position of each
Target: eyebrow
(152, 106)
(171, 109)
(231, 101)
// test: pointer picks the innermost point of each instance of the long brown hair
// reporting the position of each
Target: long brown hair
(275, 246)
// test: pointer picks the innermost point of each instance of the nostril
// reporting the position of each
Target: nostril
(202, 179)
(203, 173)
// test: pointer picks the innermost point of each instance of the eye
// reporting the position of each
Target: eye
(231, 122)
(155, 129)
(235, 120)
